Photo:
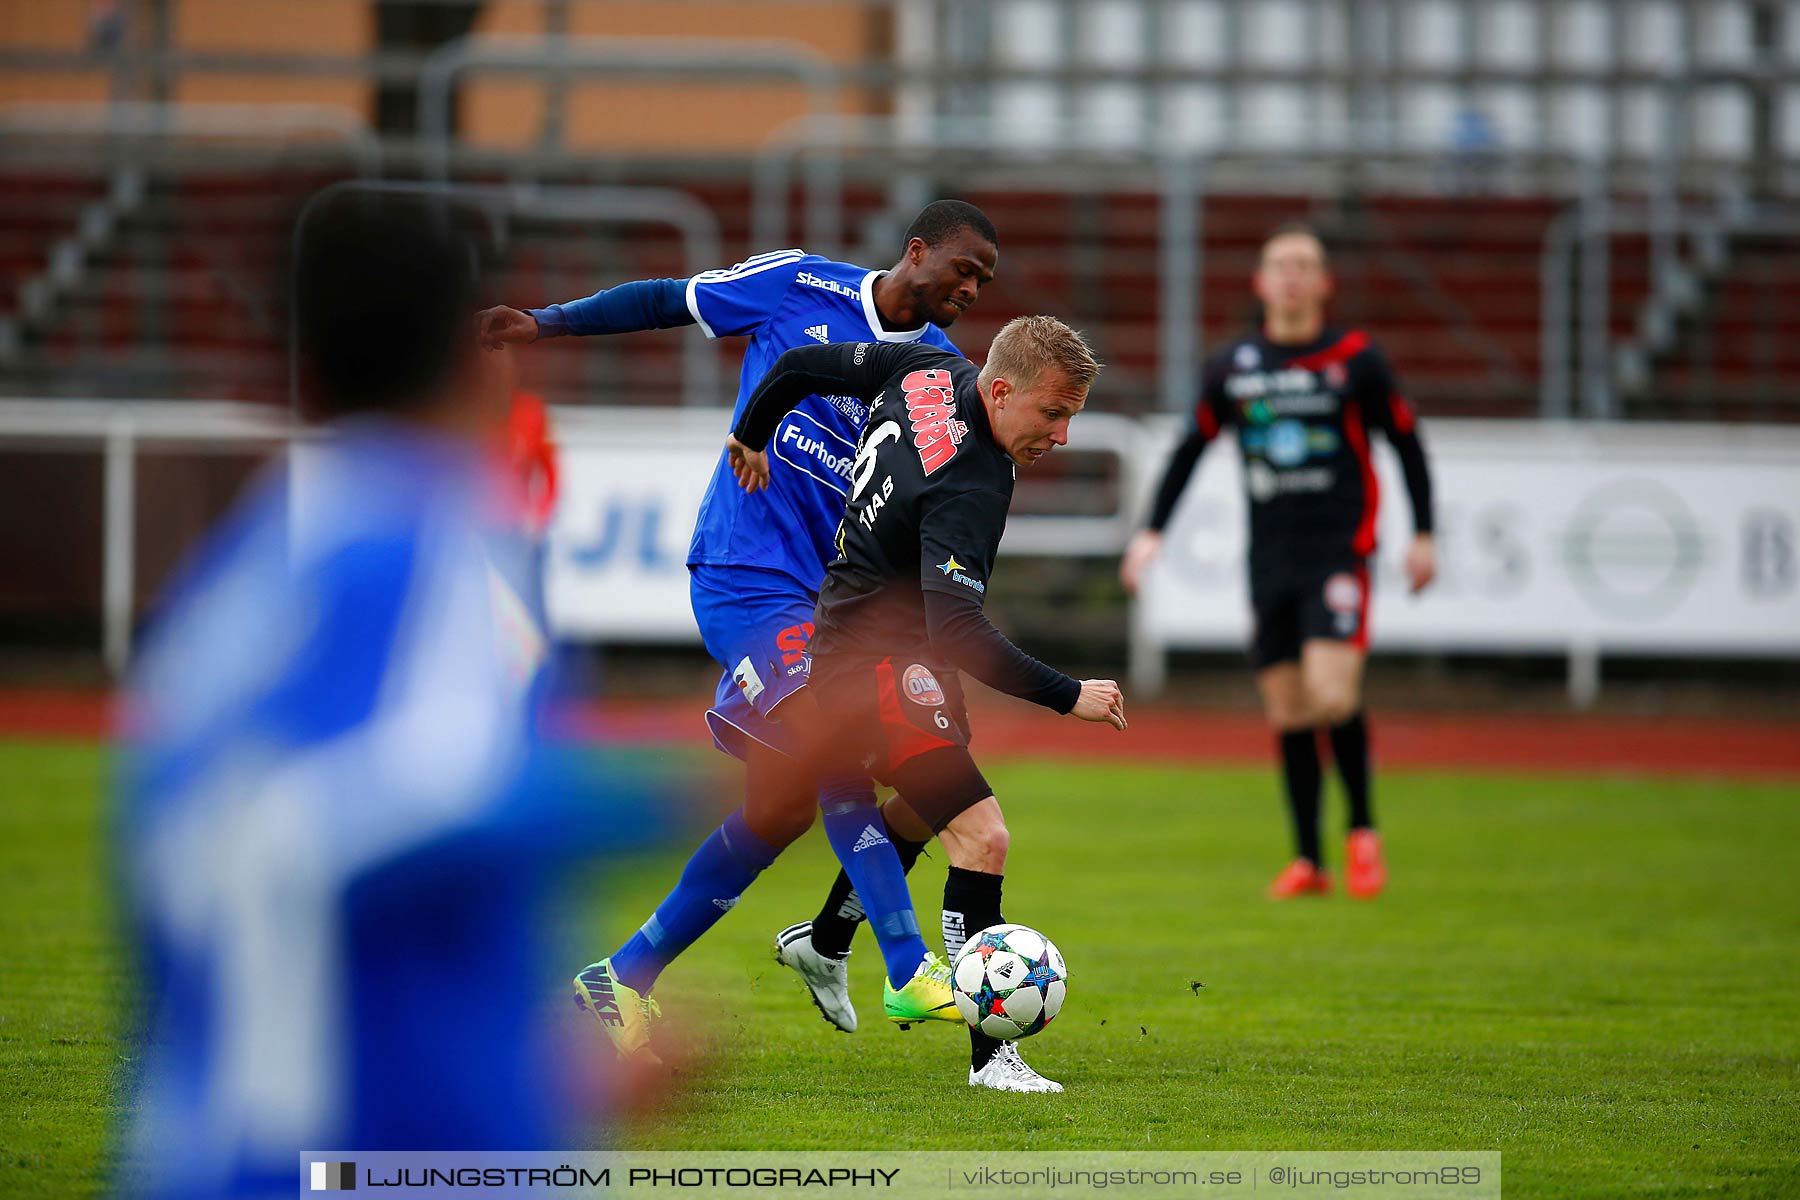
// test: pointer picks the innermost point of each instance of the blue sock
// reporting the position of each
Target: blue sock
(857, 834)
(725, 864)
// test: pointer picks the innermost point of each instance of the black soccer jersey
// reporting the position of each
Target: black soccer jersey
(1303, 416)
(929, 493)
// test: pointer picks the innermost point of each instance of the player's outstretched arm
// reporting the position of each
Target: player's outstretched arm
(628, 308)
(961, 633)
(968, 521)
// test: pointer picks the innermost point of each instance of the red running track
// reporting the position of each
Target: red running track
(1494, 742)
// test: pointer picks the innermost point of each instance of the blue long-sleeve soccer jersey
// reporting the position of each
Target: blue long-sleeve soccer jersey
(781, 300)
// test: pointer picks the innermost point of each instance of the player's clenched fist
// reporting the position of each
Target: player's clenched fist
(501, 326)
(1100, 700)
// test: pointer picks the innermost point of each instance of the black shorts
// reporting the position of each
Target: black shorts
(905, 723)
(1295, 604)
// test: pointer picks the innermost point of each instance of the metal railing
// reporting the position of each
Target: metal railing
(1573, 321)
(133, 136)
(1584, 236)
(1180, 178)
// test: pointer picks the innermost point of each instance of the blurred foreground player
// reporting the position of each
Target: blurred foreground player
(901, 610)
(337, 823)
(1304, 398)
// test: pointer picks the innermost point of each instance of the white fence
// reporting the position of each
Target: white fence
(1585, 539)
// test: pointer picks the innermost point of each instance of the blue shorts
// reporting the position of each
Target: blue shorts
(756, 624)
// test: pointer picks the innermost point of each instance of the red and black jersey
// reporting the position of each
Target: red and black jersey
(1304, 415)
(929, 493)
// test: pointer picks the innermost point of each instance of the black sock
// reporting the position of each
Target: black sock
(1350, 747)
(835, 926)
(971, 904)
(1300, 775)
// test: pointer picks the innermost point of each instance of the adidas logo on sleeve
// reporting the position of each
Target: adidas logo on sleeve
(819, 333)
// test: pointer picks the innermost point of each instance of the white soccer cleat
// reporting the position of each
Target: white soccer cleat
(826, 978)
(1007, 1072)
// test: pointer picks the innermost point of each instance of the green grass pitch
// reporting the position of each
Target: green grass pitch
(1595, 976)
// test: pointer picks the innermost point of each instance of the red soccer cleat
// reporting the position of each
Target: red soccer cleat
(1300, 878)
(1364, 873)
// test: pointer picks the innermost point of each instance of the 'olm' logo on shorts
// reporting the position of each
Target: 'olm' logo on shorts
(921, 686)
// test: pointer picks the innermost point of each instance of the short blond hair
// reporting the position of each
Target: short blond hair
(1026, 347)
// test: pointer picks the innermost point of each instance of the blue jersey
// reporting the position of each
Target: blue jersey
(336, 828)
(781, 300)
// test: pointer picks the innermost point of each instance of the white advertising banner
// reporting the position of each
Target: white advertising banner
(1654, 539)
(631, 484)
(1660, 539)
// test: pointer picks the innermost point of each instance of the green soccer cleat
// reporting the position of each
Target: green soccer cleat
(926, 996)
(624, 1014)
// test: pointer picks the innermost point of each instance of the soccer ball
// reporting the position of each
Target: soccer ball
(1009, 981)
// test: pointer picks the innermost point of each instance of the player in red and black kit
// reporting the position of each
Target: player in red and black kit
(900, 612)
(1304, 399)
